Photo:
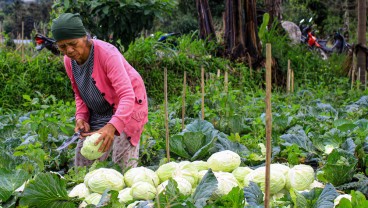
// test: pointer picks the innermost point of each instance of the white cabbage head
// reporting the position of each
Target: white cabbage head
(200, 165)
(300, 177)
(224, 161)
(143, 190)
(277, 179)
(184, 186)
(280, 167)
(93, 198)
(80, 191)
(201, 174)
(187, 171)
(241, 172)
(125, 196)
(101, 179)
(141, 174)
(226, 182)
(165, 171)
(89, 149)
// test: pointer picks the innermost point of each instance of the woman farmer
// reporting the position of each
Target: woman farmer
(110, 95)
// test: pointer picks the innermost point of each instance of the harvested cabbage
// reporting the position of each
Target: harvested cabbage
(184, 186)
(80, 191)
(225, 161)
(241, 172)
(141, 174)
(143, 190)
(93, 198)
(125, 196)
(101, 179)
(89, 149)
(300, 177)
(226, 182)
(277, 179)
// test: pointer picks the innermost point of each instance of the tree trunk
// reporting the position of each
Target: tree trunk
(361, 54)
(241, 34)
(273, 8)
(206, 29)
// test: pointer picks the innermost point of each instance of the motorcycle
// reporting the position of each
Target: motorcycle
(308, 37)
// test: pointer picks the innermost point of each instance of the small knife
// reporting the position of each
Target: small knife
(70, 140)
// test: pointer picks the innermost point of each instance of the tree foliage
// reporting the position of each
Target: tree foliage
(117, 21)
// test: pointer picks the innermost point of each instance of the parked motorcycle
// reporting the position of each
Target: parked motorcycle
(308, 37)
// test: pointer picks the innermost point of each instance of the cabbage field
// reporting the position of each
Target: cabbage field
(319, 137)
(319, 154)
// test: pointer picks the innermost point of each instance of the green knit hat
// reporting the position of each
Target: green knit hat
(67, 26)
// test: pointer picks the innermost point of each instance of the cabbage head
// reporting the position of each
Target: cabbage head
(141, 174)
(93, 198)
(125, 196)
(201, 174)
(280, 167)
(300, 177)
(226, 182)
(184, 186)
(89, 149)
(80, 191)
(277, 179)
(200, 165)
(187, 171)
(143, 190)
(241, 172)
(101, 179)
(224, 161)
(165, 171)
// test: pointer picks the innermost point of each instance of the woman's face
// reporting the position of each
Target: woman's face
(77, 49)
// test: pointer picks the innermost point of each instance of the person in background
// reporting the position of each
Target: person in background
(110, 94)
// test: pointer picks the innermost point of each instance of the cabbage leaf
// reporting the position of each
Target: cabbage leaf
(47, 190)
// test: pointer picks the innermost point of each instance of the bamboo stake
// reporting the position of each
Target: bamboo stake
(268, 123)
(166, 117)
(288, 78)
(292, 80)
(183, 100)
(226, 82)
(250, 65)
(352, 77)
(22, 41)
(202, 87)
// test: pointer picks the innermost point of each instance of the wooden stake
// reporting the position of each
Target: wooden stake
(292, 80)
(288, 78)
(352, 77)
(268, 123)
(218, 73)
(183, 100)
(202, 87)
(166, 117)
(250, 65)
(22, 41)
(226, 82)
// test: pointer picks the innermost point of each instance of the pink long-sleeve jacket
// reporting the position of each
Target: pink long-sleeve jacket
(122, 87)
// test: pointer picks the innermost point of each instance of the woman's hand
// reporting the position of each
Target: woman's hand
(107, 137)
(81, 124)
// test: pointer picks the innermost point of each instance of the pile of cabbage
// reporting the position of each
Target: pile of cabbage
(141, 183)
